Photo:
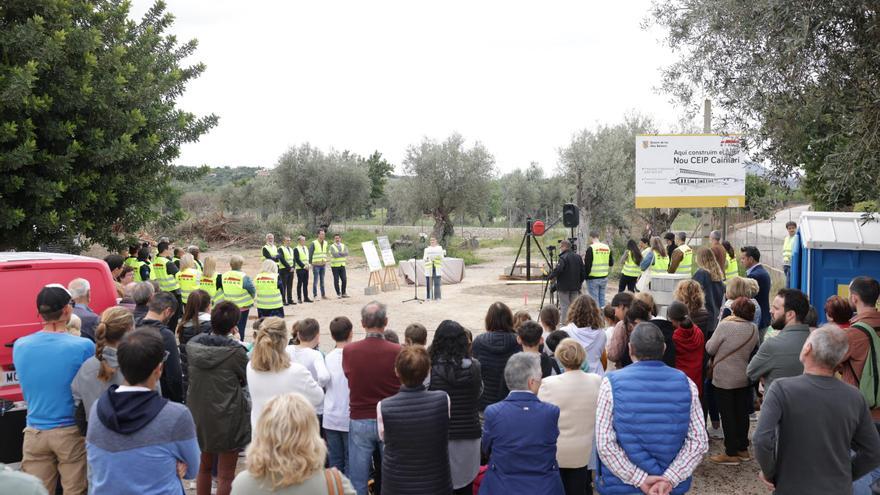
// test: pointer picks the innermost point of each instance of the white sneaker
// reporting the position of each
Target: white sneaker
(716, 433)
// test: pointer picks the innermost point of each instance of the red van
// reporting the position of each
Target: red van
(22, 275)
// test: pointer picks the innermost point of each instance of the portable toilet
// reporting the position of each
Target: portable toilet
(830, 249)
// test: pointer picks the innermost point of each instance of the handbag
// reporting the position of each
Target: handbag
(710, 366)
(644, 281)
(334, 481)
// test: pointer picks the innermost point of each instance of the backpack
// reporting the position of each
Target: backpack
(869, 382)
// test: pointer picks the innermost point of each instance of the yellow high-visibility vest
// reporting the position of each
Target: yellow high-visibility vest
(319, 257)
(287, 254)
(601, 258)
(233, 289)
(687, 259)
(137, 271)
(334, 261)
(273, 252)
(132, 261)
(787, 246)
(268, 294)
(303, 255)
(158, 272)
(732, 268)
(630, 268)
(661, 263)
(189, 281)
(209, 285)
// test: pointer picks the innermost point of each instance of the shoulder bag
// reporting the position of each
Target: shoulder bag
(710, 366)
(334, 481)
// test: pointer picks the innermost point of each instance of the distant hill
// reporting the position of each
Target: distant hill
(220, 176)
(755, 168)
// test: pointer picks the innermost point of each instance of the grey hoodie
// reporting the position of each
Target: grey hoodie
(593, 342)
(86, 386)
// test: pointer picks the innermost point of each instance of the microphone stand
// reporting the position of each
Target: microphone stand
(415, 296)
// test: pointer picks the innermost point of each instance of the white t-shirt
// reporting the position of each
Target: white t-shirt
(264, 385)
(314, 362)
(336, 410)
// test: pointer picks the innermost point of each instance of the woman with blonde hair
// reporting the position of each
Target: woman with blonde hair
(711, 278)
(690, 293)
(210, 280)
(101, 370)
(271, 373)
(188, 277)
(286, 455)
(268, 300)
(657, 258)
(740, 287)
(576, 394)
(238, 288)
(587, 327)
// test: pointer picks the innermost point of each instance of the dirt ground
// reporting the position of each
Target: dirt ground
(467, 303)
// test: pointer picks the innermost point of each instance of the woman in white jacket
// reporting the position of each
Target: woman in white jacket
(586, 326)
(576, 394)
(270, 371)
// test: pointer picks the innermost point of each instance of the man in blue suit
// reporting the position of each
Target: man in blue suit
(750, 259)
(519, 435)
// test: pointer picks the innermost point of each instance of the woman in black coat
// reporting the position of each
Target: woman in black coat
(492, 349)
(456, 373)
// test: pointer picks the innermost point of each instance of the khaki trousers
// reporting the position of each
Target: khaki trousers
(46, 453)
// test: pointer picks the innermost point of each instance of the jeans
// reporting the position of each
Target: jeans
(318, 273)
(787, 270)
(627, 283)
(432, 291)
(596, 289)
(265, 313)
(302, 285)
(338, 276)
(363, 440)
(242, 322)
(733, 404)
(337, 449)
(862, 486)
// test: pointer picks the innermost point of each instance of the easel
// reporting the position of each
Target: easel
(389, 278)
(375, 282)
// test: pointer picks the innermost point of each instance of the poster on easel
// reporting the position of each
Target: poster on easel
(387, 252)
(374, 284)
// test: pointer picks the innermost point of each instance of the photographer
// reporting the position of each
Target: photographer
(569, 275)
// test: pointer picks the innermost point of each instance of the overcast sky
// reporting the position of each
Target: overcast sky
(521, 77)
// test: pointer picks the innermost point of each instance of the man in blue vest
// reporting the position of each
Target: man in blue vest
(650, 431)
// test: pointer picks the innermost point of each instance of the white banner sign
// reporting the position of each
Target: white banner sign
(385, 249)
(690, 171)
(372, 256)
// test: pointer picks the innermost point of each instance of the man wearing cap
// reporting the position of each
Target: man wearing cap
(46, 362)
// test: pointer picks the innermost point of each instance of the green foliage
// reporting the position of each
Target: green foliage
(88, 122)
(378, 170)
(799, 79)
(446, 178)
(215, 178)
(323, 186)
(527, 193)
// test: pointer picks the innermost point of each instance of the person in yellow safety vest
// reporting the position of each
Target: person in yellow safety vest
(188, 277)
(630, 272)
(732, 269)
(656, 259)
(301, 264)
(286, 271)
(195, 251)
(164, 271)
(142, 272)
(178, 252)
(238, 289)
(433, 264)
(787, 247)
(132, 258)
(338, 254)
(682, 259)
(210, 280)
(318, 260)
(598, 261)
(268, 300)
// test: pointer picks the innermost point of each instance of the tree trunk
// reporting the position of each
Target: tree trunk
(443, 228)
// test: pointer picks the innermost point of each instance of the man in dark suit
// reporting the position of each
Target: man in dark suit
(750, 259)
(519, 435)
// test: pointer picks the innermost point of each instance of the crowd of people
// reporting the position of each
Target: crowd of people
(608, 397)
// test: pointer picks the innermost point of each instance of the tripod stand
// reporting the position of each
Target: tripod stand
(415, 296)
(552, 299)
(527, 239)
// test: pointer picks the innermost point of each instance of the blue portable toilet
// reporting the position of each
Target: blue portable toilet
(830, 249)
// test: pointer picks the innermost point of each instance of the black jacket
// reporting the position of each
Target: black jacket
(464, 384)
(416, 456)
(568, 272)
(186, 333)
(492, 350)
(172, 374)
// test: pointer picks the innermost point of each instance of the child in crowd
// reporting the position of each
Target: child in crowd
(391, 336)
(520, 317)
(336, 417)
(416, 334)
(528, 335)
(305, 353)
(610, 320)
(549, 319)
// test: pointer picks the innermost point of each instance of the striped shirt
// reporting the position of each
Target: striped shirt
(696, 444)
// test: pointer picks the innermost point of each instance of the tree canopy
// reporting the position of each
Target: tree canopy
(800, 79)
(89, 126)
